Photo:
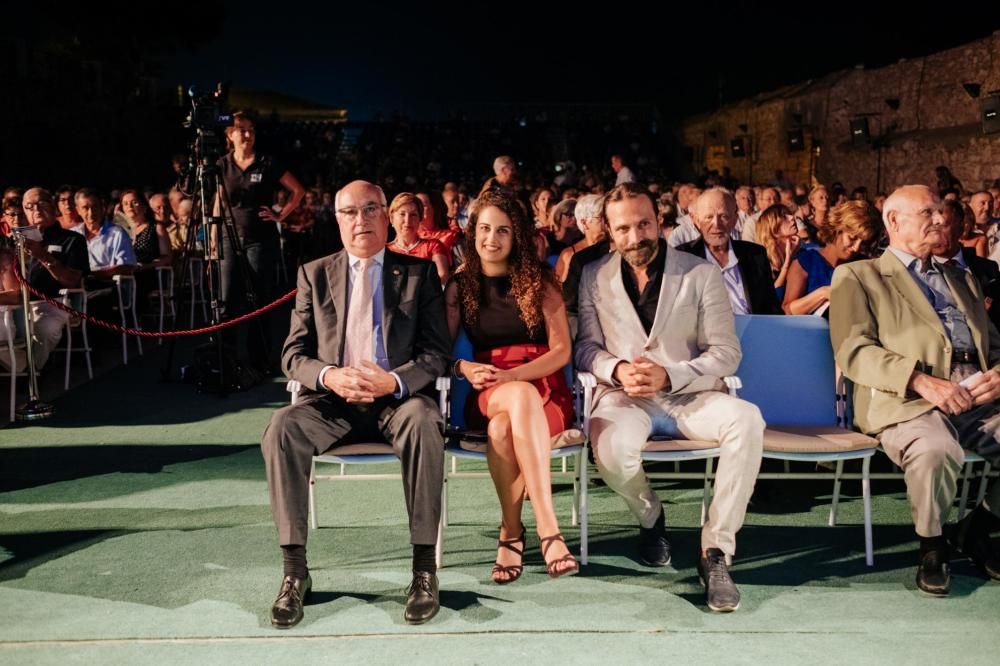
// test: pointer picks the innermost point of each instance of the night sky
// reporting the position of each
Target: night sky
(374, 56)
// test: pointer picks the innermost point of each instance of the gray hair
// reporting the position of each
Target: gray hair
(588, 207)
(501, 162)
(727, 196)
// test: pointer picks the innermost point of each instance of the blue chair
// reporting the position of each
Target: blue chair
(788, 371)
(461, 443)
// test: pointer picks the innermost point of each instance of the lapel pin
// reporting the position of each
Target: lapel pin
(395, 270)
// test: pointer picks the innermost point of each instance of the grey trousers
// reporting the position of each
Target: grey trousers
(319, 423)
(931, 448)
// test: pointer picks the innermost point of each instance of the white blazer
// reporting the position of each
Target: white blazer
(693, 335)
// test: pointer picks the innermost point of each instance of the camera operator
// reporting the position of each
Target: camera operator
(58, 260)
(251, 181)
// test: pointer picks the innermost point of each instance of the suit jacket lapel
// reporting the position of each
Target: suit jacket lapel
(336, 278)
(748, 268)
(669, 288)
(392, 280)
(965, 296)
(901, 280)
(619, 295)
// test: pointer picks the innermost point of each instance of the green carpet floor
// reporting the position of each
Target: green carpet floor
(135, 528)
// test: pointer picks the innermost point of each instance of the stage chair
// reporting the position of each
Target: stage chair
(373, 453)
(464, 444)
(14, 326)
(788, 371)
(76, 299)
(126, 293)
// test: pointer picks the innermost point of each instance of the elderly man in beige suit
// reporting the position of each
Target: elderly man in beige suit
(913, 335)
(657, 330)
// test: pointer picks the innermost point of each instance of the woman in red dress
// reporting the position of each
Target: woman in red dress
(513, 312)
(405, 213)
(434, 222)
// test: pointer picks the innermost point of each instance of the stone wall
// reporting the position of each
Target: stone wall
(919, 116)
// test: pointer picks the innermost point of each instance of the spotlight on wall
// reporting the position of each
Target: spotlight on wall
(972, 89)
(737, 148)
(892, 103)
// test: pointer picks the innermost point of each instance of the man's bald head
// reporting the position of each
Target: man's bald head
(360, 185)
(913, 216)
(714, 214)
(362, 218)
(982, 207)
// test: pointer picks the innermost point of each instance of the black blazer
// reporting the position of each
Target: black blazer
(413, 320)
(987, 273)
(756, 271)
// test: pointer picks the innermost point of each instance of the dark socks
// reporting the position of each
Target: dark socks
(294, 561)
(424, 558)
(927, 544)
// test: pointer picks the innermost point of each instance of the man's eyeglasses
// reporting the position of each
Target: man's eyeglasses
(368, 211)
(35, 206)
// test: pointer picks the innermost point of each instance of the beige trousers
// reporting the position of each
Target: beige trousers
(48, 322)
(620, 427)
(927, 449)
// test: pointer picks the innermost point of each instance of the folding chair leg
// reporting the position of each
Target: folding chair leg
(982, 484)
(836, 494)
(439, 545)
(444, 498)
(866, 494)
(86, 349)
(135, 323)
(576, 490)
(69, 353)
(706, 494)
(313, 518)
(584, 508)
(964, 497)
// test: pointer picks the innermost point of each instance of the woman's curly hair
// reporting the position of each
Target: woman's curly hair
(529, 277)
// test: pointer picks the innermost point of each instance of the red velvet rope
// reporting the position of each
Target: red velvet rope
(154, 334)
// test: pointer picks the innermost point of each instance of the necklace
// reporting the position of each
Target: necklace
(408, 248)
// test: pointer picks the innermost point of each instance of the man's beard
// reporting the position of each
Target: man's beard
(641, 253)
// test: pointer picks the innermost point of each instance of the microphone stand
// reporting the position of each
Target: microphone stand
(34, 409)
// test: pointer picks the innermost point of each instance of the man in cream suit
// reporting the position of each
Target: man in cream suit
(914, 337)
(657, 330)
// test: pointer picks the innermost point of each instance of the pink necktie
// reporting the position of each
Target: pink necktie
(358, 344)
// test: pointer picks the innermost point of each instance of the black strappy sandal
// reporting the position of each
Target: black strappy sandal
(512, 570)
(550, 567)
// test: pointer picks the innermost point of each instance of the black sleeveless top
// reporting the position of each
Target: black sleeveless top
(500, 322)
(146, 245)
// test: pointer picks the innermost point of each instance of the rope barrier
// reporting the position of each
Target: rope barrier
(154, 334)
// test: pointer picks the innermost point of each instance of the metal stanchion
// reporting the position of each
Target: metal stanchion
(34, 409)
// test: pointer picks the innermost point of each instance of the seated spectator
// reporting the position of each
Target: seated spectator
(152, 244)
(667, 214)
(768, 197)
(108, 245)
(13, 215)
(177, 230)
(563, 232)
(505, 176)
(68, 218)
(158, 207)
(746, 202)
(850, 226)
(685, 231)
(510, 307)
(623, 173)
(588, 220)
(58, 261)
(434, 223)
(778, 232)
(405, 213)
(953, 252)
(541, 199)
(746, 272)
(972, 236)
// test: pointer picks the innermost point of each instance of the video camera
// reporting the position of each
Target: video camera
(209, 117)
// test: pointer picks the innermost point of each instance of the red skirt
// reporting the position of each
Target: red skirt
(557, 399)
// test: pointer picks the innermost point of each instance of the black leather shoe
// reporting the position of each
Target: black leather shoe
(422, 598)
(721, 593)
(654, 549)
(287, 609)
(933, 574)
(972, 539)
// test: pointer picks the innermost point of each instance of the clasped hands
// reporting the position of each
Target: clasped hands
(483, 375)
(641, 378)
(360, 385)
(953, 398)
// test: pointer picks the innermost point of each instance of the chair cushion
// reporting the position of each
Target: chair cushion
(815, 439)
(678, 445)
(572, 437)
(360, 450)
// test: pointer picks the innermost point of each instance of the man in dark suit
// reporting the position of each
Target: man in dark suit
(368, 334)
(745, 268)
(986, 271)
